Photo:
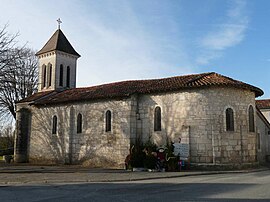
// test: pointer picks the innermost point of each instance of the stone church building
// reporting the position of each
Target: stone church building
(95, 126)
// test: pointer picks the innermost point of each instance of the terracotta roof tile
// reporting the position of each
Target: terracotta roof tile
(58, 41)
(127, 88)
(263, 104)
(35, 96)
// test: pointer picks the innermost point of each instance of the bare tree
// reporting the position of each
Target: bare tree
(18, 73)
(7, 43)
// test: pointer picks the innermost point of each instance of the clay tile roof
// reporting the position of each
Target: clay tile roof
(263, 104)
(37, 96)
(59, 42)
(127, 88)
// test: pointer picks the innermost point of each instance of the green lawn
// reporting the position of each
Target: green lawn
(1, 158)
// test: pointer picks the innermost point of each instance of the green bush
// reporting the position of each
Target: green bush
(150, 146)
(150, 161)
(6, 143)
(141, 155)
(137, 158)
(172, 163)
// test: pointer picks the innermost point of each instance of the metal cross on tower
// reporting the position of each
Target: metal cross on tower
(59, 22)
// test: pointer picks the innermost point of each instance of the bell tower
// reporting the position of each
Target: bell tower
(57, 63)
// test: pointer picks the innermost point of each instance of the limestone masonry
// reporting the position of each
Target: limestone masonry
(95, 126)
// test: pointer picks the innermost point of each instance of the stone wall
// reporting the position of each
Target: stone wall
(197, 116)
(262, 140)
(56, 58)
(200, 115)
(23, 129)
(93, 147)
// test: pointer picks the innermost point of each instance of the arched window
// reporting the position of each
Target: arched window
(108, 126)
(157, 119)
(229, 119)
(251, 119)
(44, 76)
(50, 75)
(68, 76)
(61, 75)
(79, 123)
(54, 125)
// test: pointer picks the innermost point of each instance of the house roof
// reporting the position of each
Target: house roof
(263, 104)
(262, 117)
(58, 41)
(127, 88)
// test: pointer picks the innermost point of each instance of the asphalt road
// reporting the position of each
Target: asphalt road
(219, 187)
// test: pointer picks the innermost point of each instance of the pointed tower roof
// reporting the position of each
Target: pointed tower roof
(59, 42)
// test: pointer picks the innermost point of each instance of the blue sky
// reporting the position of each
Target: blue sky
(122, 40)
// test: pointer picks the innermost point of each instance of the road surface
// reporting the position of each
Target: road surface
(219, 187)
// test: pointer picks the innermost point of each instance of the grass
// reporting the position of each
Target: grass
(1, 158)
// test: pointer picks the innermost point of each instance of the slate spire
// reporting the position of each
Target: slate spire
(58, 42)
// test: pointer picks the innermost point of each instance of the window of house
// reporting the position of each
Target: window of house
(229, 119)
(54, 125)
(44, 76)
(157, 119)
(108, 126)
(251, 119)
(61, 75)
(79, 123)
(50, 75)
(68, 76)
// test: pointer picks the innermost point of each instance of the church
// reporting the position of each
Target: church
(95, 126)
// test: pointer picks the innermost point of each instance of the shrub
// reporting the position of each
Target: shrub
(6, 143)
(172, 163)
(150, 161)
(137, 158)
(150, 146)
(142, 155)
